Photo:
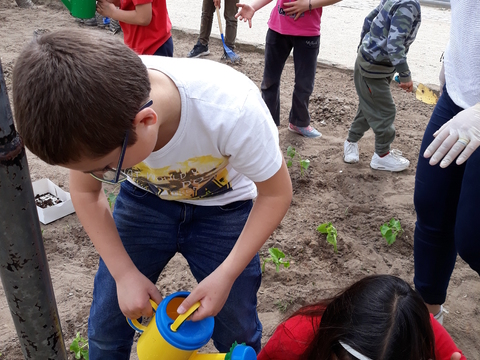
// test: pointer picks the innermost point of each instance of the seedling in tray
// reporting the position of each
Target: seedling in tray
(276, 256)
(292, 154)
(45, 200)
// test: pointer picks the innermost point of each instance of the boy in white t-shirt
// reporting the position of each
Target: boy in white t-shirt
(195, 156)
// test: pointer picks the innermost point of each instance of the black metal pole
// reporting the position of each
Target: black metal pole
(23, 263)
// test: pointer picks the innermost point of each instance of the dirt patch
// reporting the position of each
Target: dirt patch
(356, 199)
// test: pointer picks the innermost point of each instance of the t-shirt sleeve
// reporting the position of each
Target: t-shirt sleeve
(444, 345)
(253, 145)
(290, 339)
(141, 2)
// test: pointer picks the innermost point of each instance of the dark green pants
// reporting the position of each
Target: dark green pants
(376, 110)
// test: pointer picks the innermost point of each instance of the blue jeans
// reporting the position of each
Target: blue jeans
(305, 52)
(152, 231)
(446, 202)
(166, 49)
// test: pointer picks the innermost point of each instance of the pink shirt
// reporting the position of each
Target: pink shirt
(308, 24)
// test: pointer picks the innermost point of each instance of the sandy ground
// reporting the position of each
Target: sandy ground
(355, 198)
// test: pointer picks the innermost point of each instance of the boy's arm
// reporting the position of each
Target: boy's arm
(271, 205)
(401, 24)
(142, 15)
(133, 288)
(298, 7)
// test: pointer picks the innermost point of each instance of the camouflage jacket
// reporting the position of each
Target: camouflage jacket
(387, 33)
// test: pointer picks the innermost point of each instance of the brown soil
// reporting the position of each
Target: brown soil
(355, 198)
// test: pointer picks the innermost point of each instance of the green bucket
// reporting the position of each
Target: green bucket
(82, 9)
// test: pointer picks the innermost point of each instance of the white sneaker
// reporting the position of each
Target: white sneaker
(394, 161)
(350, 152)
(439, 316)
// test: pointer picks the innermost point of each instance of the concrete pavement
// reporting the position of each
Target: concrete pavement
(340, 33)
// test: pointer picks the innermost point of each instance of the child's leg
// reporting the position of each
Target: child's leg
(277, 49)
(305, 53)
(379, 109)
(147, 228)
(206, 241)
(360, 124)
(230, 22)
(206, 21)
(166, 49)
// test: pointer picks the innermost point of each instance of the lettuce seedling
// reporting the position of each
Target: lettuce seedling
(276, 257)
(292, 154)
(79, 347)
(329, 229)
(391, 230)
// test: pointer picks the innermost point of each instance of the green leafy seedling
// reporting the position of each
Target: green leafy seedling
(292, 154)
(111, 197)
(276, 256)
(329, 229)
(391, 230)
(79, 347)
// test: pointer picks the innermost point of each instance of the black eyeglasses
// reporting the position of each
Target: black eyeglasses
(116, 175)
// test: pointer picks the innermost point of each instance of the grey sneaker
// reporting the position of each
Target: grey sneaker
(350, 152)
(114, 26)
(198, 50)
(394, 161)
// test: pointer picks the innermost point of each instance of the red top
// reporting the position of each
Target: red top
(292, 337)
(145, 40)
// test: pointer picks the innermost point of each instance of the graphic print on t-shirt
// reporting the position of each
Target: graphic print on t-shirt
(195, 178)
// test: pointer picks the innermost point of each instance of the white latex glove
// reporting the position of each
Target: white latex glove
(459, 135)
(441, 77)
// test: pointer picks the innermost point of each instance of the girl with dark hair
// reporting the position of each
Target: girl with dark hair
(377, 318)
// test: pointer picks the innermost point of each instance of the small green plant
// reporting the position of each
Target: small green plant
(391, 230)
(329, 229)
(79, 347)
(292, 154)
(111, 197)
(282, 305)
(276, 256)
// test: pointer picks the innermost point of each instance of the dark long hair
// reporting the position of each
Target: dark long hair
(380, 316)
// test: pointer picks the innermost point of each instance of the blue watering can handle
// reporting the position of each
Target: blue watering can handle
(136, 325)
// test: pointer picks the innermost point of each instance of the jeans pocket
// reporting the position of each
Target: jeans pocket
(134, 190)
(234, 205)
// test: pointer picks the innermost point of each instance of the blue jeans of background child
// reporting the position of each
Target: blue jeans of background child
(166, 49)
(447, 204)
(305, 53)
(152, 231)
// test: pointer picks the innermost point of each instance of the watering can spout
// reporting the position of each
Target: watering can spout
(82, 9)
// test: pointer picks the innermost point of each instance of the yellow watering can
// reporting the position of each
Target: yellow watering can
(170, 336)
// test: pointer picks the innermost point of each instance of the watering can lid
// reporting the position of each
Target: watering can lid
(190, 335)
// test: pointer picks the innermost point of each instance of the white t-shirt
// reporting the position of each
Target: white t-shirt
(462, 56)
(226, 138)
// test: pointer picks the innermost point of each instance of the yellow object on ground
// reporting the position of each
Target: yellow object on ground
(426, 95)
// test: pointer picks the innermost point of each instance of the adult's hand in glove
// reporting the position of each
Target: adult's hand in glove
(460, 135)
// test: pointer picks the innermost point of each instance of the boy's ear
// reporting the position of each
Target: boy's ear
(146, 117)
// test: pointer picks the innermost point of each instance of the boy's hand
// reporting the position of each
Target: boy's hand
(245, 13)
(217, 3)
(408, 86)
(105, 8)
(134, 291)
(212, 292)
(296, 7)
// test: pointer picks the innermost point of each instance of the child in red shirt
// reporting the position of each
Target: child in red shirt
(145, 23)
(378, 317)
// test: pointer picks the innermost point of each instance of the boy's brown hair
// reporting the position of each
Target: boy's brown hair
(75, 95)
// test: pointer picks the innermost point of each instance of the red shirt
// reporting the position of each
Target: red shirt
(292, 337)
(145, 40)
